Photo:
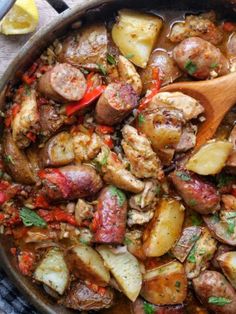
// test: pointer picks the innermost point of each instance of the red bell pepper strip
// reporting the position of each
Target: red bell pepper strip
(28, 77)
(40, 202)
(104, 129)
(156, 85)
(88, 98)
(26, 260)
(57, 215)
(11, 114)
(31, 136)
(108, 141)
(229, 26)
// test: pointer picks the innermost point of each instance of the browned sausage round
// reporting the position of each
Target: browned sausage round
(110, 218)
(200, 59)
(138, 307)
(197, 194)
(70, 182)
(63, 83)
(168, 70)
(50, 119)
(117, 101)
(211, 287)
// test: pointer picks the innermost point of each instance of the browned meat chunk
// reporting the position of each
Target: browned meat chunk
(200, 58)
(139, 308)
(167, 69)
(63, 83)
(196, 25)
(80, 297)
(50, 119)
(70, 182)
(87, 49)
(110, 218)
(197, 193)
(117, 101)
(211, 287)
(187, 139)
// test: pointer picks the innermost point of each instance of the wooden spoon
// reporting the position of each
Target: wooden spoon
(217, 96)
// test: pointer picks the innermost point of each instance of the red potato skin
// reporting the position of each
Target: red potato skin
(199, 195)
(212, 283)
(222, 248)
(110, 218)
(116, 102)
(63, 83)
(138, 308)
(70, 182)
(203, 55)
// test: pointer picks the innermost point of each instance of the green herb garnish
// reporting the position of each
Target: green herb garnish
(215, 218)
(194, 238)
(141, 119)
(121, 198)
(230, 215)
(220, 301)
(27, 90)
(196, 219)
(31, 218)
(177, 284)
(102, 69)
(158, 190)
(183, 176)
(127, 241)
(129, 56)
(84, 71)
(192, 203)
(8, 159)
(111, 59)
(190, 67)
(191, 257)
(231, 226)
(148, 308)
(214, 65)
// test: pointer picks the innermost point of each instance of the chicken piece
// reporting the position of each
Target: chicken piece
(50, 119)
(143, 161)
(136, 217)
(26, 120)
(114, 172)
(147, 198)
(187, 139)
(196, 25)
(201, 254)
(83, 211)
(86, 146)
(190, 107)
(129, 74)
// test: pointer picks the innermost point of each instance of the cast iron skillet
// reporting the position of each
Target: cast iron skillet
(85, 10)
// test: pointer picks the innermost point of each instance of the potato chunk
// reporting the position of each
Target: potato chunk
(125, 268)
(164, 229)
(88, 264)
(227, 263)
(211, 158)
(166, 284)
(135, 34)
(53, 271)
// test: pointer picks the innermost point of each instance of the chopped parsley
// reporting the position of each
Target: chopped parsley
(191, 257)
(202, 251)
(111, 59)
(102, 69)
(196, 219)
(127, 241)
(214, 65)
(190, 67)
(231, 226)
(148, 308)
(27, 90)
(230, 215)
(215, 218)
(8, 159)
(194, 238)
(141, 119)
(84, 71)
(83, 241)
(220, 301)
(177, 284)
(129, 56)
(31, 218)
(192, 203)
(121, 198)
(183, 176)
(158, 190)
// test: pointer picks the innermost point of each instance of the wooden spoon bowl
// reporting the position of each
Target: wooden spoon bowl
(217, 96)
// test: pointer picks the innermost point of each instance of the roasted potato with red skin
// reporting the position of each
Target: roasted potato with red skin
(212, 285)
(82, 298)
(16, 161)
(70, 182)
(58, 151)
(166, 66)
(193, 306)
(219, 229)
(221, 250)
(166, 284)
(185, 243)
(87, 264)
(197, 193)
(164, 229)
(109, 221)
(116, 102)
(138, 307)
(227, 263)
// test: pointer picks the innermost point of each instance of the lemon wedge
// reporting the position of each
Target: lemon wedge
(21, 19)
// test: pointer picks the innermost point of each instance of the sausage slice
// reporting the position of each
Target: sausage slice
(63, 83)
(117, 101)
